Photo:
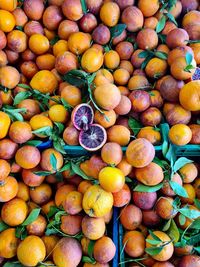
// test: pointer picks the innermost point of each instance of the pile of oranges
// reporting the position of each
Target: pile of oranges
(103, 75)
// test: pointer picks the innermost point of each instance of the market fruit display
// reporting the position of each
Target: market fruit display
(95, 99)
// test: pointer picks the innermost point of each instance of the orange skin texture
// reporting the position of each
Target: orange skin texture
(92, 60)
(5, 169)
(133, 17)
(124, 49)
(34, 9)
(72, 9)
(140, 100)
(137, 81)
(17, 41)
(66, 27)
(93, 228)
(8, 189)
(6, 73)
(27, 157)
(167, 251)
(118, 134)
(131, 217)
(7, 21)
(71, 224)
(124, 166)
(67, 252)
(78, 43)
(62, 192)
(124, 106)
(20, 17)
(52, 17)
(23, 191)
(148, 132)
(14, 212)
(147, 39)
(104, 250)
(121, 76)
(140, 153)
(178, 66)
(167, 190)
(135, 60)
(151, 117)
(191, 92)
(8, 243)
(156, 67)
(135, 243)
(101, 119)
(45, 62)
(111, 59)
(178, 52)
(191, 194)
(20, 132)
(189, 172)
(195, 128)
(177, 37)
(41, 194)
(37, 227)
(148, 9)
(180, 134)
(122, 197)
(73, 202)
(31, 251)
(164, 208)
(114, 13)
(32, 108)
(150, 23)
(111, 153)
(103, 76)
(50, 242)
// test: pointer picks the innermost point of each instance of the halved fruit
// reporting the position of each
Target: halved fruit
(93, 138)
(82, 116)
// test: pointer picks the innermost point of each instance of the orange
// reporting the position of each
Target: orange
(8, 5)
(46, 160)
(107, 96)
(148, 8)
(20, 132)
(37, 227)
(93, 228)
(31, 251)
(72, 95)
(17, 41)
(109, 14)
(119, 134)
(97, 202)
(9, 77)
(103, 76)
(124, 166)
(196, 51)
(41, 194)
(8, 189)
(138, 81)
(14, 212)
(27, 157)
(60, 46)
(151, 23)
(150, 134)
(178, 69)
(121, 76)
(7, 21)
(188, 172)
(50, 243)
(8, 243)
(92, 60)
(44, 81)
(167, 250)
(111, 59)
(4, 124)
(134, 243)
(58, 113)
(180, 134)
(4, 169)
(156, 68)
(72, 203)
(78, 42)
(107, 119)
(62, 192)
(104, 250)
(125, 64)
(39, 121)
(23, 191)
(111, 153)
(72, 9)
(38, 43)
(189, 96)
(190, 192)
(111, 179)
(122, 197)
(45, 62)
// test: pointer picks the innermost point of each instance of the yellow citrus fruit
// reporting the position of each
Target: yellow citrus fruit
(58, 113)
(4, 124)
(111, 179)
(7, 21)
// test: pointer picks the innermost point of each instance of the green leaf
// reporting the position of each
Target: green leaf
(54, 40)
(88, 260)
(60, 127)
(3, 226)
(128, 180)
(117, 30)
(167, 225)
(76, 169)
(34, 143)
(53, 161)
(173, 231)
(51, 231)
(21, 232)
(21, 96)
(196, 224)
(59, 145)
(42, 173)
(146, 61)
(84, 6)
(59, 214)
(188, 58)
(178, 189)
(153, 250)
(180, 163)
(171, 18)
(161, 24)
(32, 217)
(162, 163)
(47, 131)
(188, 68)
(191, 214)
(145, 188)
(134, 125)
(75, 79)
(197, 203)
(162, 37)
(197, 249)
(153, 242)
(194, 240)
(143, 54)
(161, 55)
(155, 237)
(23, 85)
(171, 156)
(91, 248)
(53, 210)
(13, 264)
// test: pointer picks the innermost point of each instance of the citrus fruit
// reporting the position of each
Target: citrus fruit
(82, 116)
